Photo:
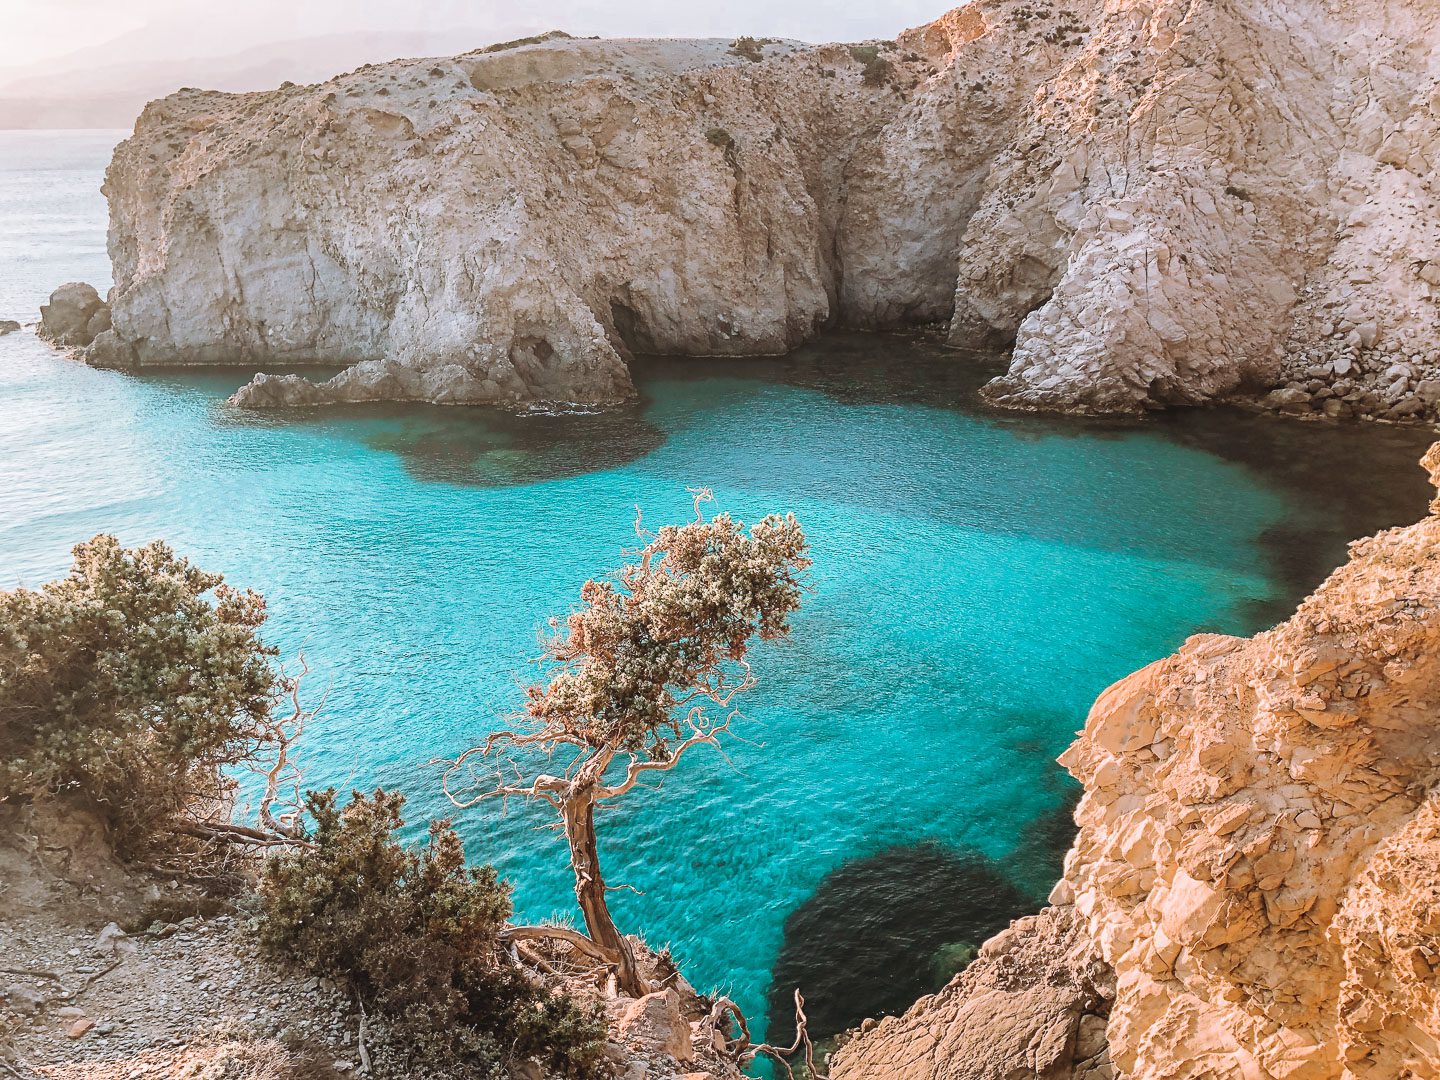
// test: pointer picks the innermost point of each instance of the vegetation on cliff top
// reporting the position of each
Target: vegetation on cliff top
(415, 934)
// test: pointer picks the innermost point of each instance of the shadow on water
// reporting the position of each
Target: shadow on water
(1345, 479)
(1348, 479)
(504, 448)
(474, 446)
(882, 930)
(854, 368)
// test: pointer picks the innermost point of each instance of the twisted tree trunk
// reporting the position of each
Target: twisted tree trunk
(579, 811)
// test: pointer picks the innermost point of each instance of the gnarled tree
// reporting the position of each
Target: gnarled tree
(650, 665)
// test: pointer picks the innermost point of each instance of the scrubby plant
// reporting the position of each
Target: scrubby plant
(414, 932)
(129, 684)
(751, 48)
(876, 67)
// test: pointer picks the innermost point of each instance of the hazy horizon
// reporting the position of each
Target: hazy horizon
(49, 30)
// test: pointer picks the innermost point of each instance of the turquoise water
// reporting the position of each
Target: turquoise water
(979, 578)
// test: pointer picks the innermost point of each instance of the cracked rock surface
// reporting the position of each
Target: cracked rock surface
(1156, 202)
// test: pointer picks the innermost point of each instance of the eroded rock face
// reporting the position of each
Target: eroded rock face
(1204, 189)
(1258, 860)
(1158, 202)
(510, 226)
(496, 227)
(1033, 1003)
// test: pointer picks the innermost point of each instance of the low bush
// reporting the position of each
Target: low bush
(124, 686)
(876, 68)
(751, 48)
(413, 932)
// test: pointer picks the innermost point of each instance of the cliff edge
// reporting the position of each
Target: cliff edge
(1157, 202)
(1257, 864)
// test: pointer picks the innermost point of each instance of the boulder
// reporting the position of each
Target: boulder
(268, 391)
(1033, 1004)
(655, 1024)
(23, 1000)
(109, 351)
(112, 941)
(1289, 399)
(8, 326)
(66, 319)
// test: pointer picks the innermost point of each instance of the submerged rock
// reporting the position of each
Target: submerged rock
(73, 310)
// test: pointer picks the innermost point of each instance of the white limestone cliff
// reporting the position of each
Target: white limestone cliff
(1157, 202)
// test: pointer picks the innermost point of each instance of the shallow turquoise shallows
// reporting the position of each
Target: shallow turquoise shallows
(979, 578)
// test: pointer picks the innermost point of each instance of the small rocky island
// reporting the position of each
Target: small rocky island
(1152, 204)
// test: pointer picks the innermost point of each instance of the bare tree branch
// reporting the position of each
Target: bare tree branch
(576, 940)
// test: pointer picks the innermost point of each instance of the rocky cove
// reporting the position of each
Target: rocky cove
(1152, 204)
(1140, 205)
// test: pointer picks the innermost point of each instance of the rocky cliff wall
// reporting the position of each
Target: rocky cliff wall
(501, 226)
(1158, 202)
(1257, 864)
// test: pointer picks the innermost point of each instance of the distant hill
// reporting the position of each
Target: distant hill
(91, 88)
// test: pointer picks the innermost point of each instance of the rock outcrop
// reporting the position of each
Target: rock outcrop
(75, 315)
(1258, 858)
(1032, 1004)
(499, 227)
(1158, 202)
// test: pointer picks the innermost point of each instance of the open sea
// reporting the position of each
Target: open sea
(979, 578)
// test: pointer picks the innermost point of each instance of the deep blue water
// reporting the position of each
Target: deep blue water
(979, 578)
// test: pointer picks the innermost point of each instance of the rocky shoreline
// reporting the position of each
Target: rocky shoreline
(187, 992)
(1114, 191)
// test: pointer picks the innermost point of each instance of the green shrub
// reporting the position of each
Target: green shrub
(751, 48)
(876, 67)
(124, 687)
(413, 932)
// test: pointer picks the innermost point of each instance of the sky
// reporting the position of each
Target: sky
(39, 30)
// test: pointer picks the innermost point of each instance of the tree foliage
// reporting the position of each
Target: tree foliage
(126, 686)
(414, 931)
(659, 636)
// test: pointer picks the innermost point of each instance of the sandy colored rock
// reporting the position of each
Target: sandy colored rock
(74, 308)
(1258, 857)
(1032, 1004)
(654, 1024)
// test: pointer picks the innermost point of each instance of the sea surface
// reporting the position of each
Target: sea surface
(893, 797)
